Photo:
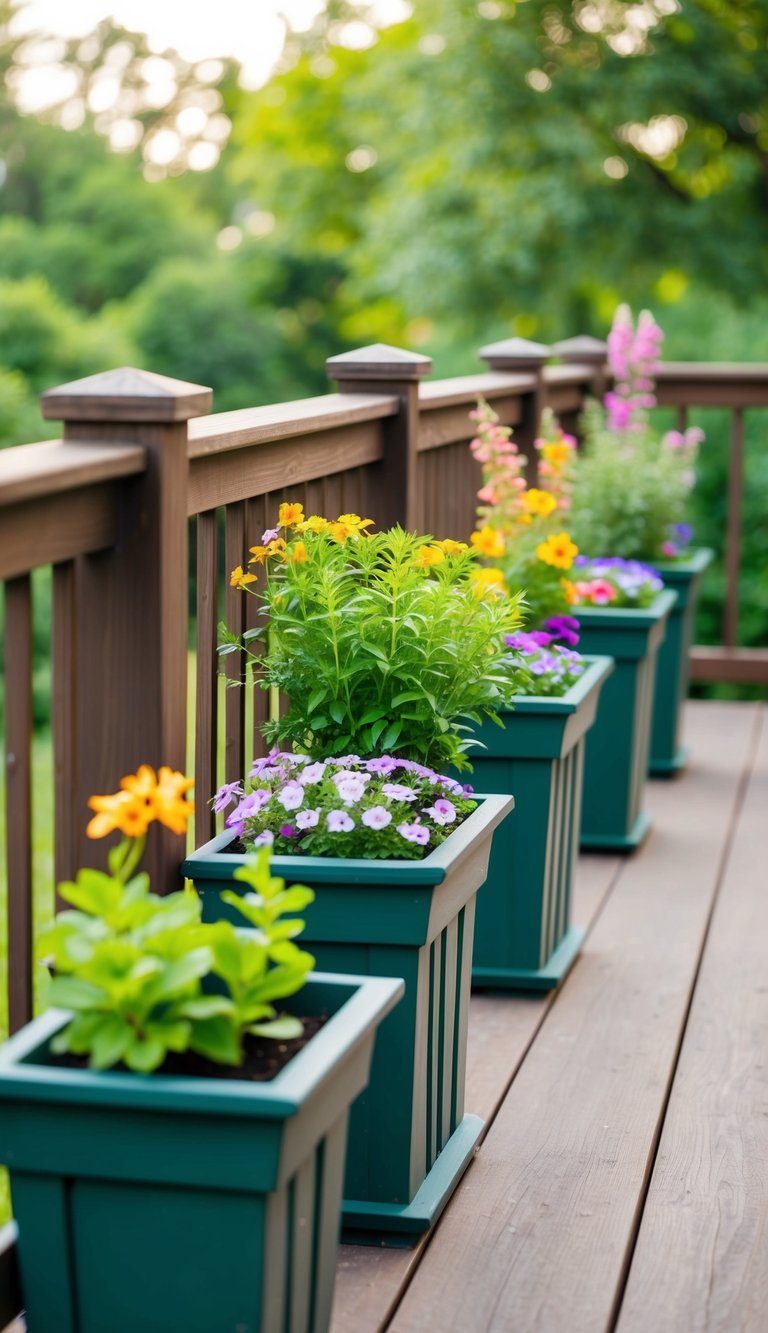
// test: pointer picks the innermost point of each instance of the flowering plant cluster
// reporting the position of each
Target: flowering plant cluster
(553, 667)
(613, 581)
(130, 965)
(630, 484)
(345, 806)
(520, 526)
(381, 642)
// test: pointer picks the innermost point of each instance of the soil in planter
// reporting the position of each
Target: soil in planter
(263, 1058)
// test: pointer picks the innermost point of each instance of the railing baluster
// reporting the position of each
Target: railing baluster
(733, 529)
(261, 515)
(18, 797)
(63, 716)
(236, 552)
(206, 709)
(682, 418)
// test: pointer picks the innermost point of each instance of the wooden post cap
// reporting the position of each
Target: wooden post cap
(514, 354)
(378, 362)
(584, 349)
(127, 395)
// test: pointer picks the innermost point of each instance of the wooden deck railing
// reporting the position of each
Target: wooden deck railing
(144, 475)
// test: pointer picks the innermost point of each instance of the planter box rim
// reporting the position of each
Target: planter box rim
(598, 669)
(694, 563)
(212, 862)
(24, 1079)
(630, 616)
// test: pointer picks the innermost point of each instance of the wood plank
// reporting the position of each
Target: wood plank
(54, 528)
(235, 553)
(33, 470)
(18, 797)
(224, 431)
(466, 389)
(207, 675)
(64, 717)
(501, 1028)
(538, 1234)
(701, 1260)
(741, 666)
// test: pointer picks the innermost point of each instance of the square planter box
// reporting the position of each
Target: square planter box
(409, 1139)
(160, 1202)
(618, 746)
(668, 756)
(524, 939)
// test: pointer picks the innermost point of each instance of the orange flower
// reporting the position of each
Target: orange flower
(162, 795)
(297, 554)
(122, 811)
(290, 514)
(451, 547)
(540, 503)
(259, 554)
(557, 455)
(238, 579)
(558, 550)
(488, 542)
(571, 596)
(427, 556)
(276, 547)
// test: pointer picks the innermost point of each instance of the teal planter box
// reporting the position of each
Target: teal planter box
(524, 939)
(668, 756)
(155, 1202)
(409, 1139)
(618, 746)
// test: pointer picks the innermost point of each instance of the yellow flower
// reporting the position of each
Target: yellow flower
(558, 550)
(556, 455)
(276, 547)
(238, 579)
(342, 532)
(487, 581)
(540, 503)
(571, 596)
(314, 524)
(355, 521)
(290, 514)
(452, 548)
(427, 556)
(259, 554)
(488, 542)
(297, 554)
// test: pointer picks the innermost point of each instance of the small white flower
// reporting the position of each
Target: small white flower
(292, 796)
(338, 821)
(311, 774)
(377, 817)
(350, 789)
(307, 819)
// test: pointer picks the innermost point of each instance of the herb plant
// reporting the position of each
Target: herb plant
(132, 966)
(382, 642)
(344, 806)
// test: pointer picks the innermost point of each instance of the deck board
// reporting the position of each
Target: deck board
(540, 1231)
(707, 1205)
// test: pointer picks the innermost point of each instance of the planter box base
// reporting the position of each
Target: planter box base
(401, 1226)
(610, 842)
(543, 978)
(669, 768)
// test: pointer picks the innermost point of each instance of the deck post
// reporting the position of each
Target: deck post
(519, 354)
(586, 351)
(125, 699)
(383, 369)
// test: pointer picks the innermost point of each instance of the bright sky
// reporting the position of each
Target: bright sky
(250, 30)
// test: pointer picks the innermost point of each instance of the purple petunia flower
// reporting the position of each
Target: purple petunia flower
(292, 795)
(271, 535)
(377, 817)
(395, 791)
(287, 831)
(414, 833)
(442, 812)
(264, 839)
(226, 795)
(307, 819)
(564, 627)
(311, 774)
(385, 765)
(338, 821)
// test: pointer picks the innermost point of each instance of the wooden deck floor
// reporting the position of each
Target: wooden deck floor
(622, 1183)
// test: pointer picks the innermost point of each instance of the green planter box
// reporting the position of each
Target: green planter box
(668, 756)
(409, 1139)
(617, 747)
(159, 1202)
(524, 939)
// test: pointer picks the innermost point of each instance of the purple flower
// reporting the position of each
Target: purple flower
(264, 839)
(451, 785)
(306, 819)
(225, 795)
(347, 760)
(377, 817)
(311, 774)
(350, 788)
(395, 791)
(234, 822)
(254, 802)
(287, 831)
(385, 765)
(271, 535)
(338, 821)
(564, 627)
(442, 812)
(414, 833)
(292, 796)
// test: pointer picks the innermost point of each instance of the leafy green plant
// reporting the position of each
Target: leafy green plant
(384, 643)
(132, 968)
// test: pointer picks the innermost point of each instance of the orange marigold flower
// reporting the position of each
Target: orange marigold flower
(488, 542)
(558, 550)
(540, 503)
(297, 554)
(290, 514)
(162, 795)
(427, 556)
(130, 814)
(239, 579)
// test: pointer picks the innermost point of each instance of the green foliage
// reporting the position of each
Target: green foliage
(382, 644)
(131, 966)
(629, 491)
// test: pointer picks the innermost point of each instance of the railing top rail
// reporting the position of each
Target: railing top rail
(468, 388)
(32, 471)
(572, 373)
(706, 371)
(223, 431)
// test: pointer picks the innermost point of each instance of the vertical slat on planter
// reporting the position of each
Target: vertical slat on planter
(449, 945)
(302, 1245)
(18, 796)
(206, 704)
(234, 602)
(433, 1051)
(329, 1166)
(465, 927)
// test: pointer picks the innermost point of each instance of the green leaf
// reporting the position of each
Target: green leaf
(142, 1056)
(73, 993)
(284, 1028)
(110, 1041)
(217, 1039)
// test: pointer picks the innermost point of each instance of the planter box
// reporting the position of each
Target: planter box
(524, 938)
(617, 747)
(668, 757)
(409, 1139)
(160, 1202)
